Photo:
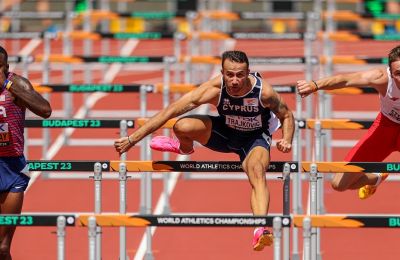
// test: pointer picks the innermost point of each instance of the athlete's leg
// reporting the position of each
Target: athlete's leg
(192, 128)
(255, 165)
(10, 203)
(345, 181)
(374, 146)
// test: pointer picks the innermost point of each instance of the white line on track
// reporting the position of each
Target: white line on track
(27, 50)
(126, 50)
(229, 45)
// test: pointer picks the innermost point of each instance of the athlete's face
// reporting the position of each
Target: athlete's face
(395, 71)
(235, 77)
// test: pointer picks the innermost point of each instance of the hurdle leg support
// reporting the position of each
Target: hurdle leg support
(61, 222)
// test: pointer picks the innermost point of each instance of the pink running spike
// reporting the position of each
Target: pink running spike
(262, 237)
(166, 144)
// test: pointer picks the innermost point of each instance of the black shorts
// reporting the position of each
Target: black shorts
(221, 140)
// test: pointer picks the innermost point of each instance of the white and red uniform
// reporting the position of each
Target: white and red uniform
(383, 137)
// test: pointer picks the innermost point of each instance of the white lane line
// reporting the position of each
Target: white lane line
(116, 67)
(229, 45)
(27, 50)
(82, 112)
(172, 181)
(30, 46)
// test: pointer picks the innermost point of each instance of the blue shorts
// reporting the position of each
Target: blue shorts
(11, 177)
(221, 141)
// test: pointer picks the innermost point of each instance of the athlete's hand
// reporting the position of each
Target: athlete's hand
(305, 88)
(283, 146)
(123, 144)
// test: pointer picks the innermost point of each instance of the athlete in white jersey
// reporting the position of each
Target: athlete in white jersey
(390, 103)
(383, 137)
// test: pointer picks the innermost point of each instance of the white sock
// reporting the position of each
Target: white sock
(379, 180)
(192, 151)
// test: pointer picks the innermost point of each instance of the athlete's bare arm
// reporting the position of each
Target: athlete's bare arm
(277, 105)
(207, 93)
(25, 96)
(376, 78)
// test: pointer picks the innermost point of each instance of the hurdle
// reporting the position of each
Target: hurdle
(277, 222)
(67, 166)
(334, 124)
(126, 88)
(314, 168)
(68, 58)
(71, 123)
(95, 167)
(68, 99)
(167, 62)
(335, 36)
(95, 221)
(41, 220)
(63, 58)
(258, 60)
(355, 37)
(184, 59)
(318, 125)
(169, 166)
(159, 166)
(199, 166)
(308, 223)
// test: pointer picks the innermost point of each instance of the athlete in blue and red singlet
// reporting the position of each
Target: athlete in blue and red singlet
(16, 94)
(383, 137)
(249, 113)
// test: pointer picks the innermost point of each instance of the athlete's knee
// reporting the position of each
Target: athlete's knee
(182, 126)
(255, 170)
(5, 244)
(5, 251)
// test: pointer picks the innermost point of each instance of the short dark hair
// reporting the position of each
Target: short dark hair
(394, 55)
(4, 52)
(236, 56)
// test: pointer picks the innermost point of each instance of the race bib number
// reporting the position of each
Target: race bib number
(244, 123)
(4, 134)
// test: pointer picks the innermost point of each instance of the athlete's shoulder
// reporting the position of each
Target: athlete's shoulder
(376, 76)
(215, 82)
(18, 79)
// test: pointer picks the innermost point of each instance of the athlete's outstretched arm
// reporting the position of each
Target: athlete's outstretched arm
(376, 78)
(208, 92)
(273, 100)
